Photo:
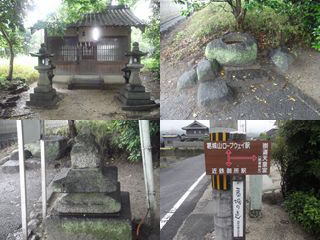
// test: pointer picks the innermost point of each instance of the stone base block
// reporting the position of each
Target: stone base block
(87, 180)
(134, 98)
(43, 99)
(88, 203)
(135, 95)
(95, 228)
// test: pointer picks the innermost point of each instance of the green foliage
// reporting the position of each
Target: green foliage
(305, 15)
(11, 28)
(20, 71)
(297, 152)
(151, 65)
(152, 36)
(128, 138)
(304, 208)
(273, 28)
(118, 135)
(191, 7)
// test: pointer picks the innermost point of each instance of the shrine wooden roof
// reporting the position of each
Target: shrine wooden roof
(112, 16)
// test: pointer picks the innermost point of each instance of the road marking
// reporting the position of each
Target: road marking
(166, 218)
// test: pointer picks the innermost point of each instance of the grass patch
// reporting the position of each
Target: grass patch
(20, 71)
(268, 27)
(200, 28)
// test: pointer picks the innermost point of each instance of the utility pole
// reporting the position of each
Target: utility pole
(221, 184)
(148, 167)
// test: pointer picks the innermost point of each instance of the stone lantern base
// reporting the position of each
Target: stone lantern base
(91, 226)
(43, 99)
(135, 98)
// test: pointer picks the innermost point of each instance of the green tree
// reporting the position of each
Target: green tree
(11, 28)
(297, 152)
(152, 35)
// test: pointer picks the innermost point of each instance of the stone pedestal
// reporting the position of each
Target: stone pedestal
(133, 95)
(44, 94)
(88, 203)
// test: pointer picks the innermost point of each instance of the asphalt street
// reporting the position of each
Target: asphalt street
(175, 180)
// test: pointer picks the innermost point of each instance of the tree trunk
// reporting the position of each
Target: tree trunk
(72, 129)
(7, 38)
(10, 73)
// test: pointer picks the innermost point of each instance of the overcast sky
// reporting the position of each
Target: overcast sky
(253, 126)
(45, 7)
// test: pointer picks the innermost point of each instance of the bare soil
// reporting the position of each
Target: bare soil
(87, 104)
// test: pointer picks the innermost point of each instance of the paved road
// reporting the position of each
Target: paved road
(174, 182)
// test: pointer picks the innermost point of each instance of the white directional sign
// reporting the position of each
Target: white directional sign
(238, 209)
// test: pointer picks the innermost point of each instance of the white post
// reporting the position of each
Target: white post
(148, 167)
(222, 198)
(22, 172)
(43, 171)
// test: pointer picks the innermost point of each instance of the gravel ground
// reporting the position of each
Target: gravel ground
(87, 104)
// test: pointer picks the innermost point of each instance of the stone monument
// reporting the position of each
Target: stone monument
(44, 94)
(87, 202)
(133, 95)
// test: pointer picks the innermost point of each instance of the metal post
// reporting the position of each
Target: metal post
(148, 167)
(22, 172)
(43, 171)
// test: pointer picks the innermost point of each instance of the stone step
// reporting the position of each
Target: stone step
(86, 82)
(88, 203)
(12, 166)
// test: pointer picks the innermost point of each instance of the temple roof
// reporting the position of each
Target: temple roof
(112, 16)
(195, 125)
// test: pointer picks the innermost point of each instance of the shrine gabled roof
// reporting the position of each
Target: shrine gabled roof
(112, 16)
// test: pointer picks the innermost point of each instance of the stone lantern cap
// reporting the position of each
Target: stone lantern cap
(135, 53)
(42, 54)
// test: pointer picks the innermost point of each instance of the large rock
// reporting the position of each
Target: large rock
(213, 92)
(207, 70)
(187, 80)
(282, 58)
(85, 153)
(15, 155)
(233, 49)
(87, 180)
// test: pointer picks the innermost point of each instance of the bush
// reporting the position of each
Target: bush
(152, 65)
(272, 28)
(118, 136)
(304, 208)
(297, 153)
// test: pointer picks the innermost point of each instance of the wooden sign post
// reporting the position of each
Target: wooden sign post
(237, 159)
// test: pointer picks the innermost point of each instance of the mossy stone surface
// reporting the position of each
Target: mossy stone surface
(89, 203)
(239, 53)
(88, 229)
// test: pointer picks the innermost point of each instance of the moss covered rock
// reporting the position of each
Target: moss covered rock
(234, 49)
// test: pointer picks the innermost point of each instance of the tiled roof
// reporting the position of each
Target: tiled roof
(112, 16)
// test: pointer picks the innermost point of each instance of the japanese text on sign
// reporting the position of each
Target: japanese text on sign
(238, 208)
(245, 158)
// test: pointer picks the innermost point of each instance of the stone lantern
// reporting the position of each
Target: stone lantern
(44, 94)
(133, 95)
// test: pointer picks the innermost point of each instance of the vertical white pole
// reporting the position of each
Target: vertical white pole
(147, 166)
(22, 172)
(43, 171)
